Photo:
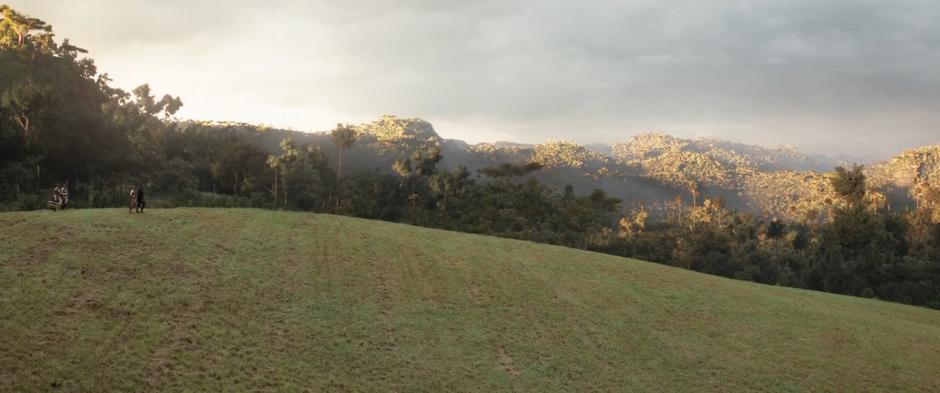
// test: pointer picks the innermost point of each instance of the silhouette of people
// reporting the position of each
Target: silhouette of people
(56, 202)
(140, 199)
(60, 197)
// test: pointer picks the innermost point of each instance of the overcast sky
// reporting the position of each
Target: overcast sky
(851, 77)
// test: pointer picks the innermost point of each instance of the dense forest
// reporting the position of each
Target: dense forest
(766, 215)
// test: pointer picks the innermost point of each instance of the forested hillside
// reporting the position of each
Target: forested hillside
(649, 169)
(753, 213)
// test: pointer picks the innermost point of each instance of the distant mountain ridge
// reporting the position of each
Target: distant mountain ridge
(650, 169)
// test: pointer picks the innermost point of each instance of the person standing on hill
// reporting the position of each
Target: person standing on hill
(133, 200)
(56, 202)
(140, 199)
(64, 194)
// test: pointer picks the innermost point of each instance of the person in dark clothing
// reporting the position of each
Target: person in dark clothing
(140, 200)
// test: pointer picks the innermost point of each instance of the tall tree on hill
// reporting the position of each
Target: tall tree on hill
(275, 163)
(18, 27)
(168, 105)
(677, 203)
(286, 160)
(344, 136)
(694, 191)
(850, 184)
(773, 232)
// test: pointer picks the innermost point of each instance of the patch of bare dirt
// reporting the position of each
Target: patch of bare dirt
(476, 296)
(85, 301)
(505, 361)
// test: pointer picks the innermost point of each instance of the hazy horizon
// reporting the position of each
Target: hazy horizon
(841, 78)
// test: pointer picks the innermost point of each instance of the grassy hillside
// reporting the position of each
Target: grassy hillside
(212, 300)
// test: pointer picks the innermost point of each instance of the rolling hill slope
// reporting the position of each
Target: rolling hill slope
(252, 300)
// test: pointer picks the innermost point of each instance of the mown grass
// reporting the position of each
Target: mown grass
(253, 300)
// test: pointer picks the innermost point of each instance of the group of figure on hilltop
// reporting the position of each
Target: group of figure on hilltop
(137, 200)
(60, 198)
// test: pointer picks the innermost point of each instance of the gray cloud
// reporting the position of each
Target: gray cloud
(853, 77)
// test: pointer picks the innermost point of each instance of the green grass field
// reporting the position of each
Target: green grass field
(253, 300)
